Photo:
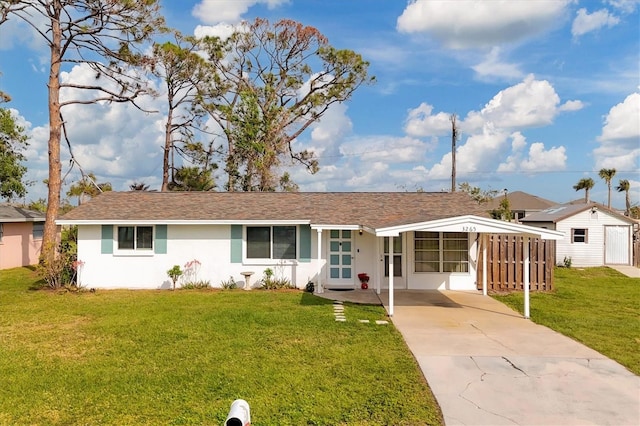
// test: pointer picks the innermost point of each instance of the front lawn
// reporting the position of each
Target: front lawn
(181, 357)
(599, 307)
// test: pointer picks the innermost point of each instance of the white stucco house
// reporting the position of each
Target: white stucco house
(423, 240)
(596, 235)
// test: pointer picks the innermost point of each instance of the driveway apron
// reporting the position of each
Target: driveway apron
(487, 365)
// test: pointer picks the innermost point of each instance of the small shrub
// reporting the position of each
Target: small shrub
(270, 282)
(229, 284)
(567, 262)
(174, 273)
(196, 285)
(310, 287)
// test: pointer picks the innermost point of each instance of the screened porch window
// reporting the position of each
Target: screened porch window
(135, 238)
(441, 251)
(271, 242)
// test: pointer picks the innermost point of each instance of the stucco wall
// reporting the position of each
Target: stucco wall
(211, 246)
(18, 248)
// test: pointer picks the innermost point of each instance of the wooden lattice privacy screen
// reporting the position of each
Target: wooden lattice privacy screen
(505, 264)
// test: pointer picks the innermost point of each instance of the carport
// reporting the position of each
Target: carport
(470, 224)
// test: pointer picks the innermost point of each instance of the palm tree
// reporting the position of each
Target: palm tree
(87, 187)
(625, 186)
(607, 175)
(586, 184)
(139, 186)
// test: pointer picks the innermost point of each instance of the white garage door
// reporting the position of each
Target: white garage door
(616, 249)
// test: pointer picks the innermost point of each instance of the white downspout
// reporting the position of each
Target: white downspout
(526, 276)
(390, 276)
(319, 262)
(485, 242)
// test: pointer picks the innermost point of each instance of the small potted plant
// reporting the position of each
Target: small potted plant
(364, 280)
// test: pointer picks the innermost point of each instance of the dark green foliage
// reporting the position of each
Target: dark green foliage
(12, 141)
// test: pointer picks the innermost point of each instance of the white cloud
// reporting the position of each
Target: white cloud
(539, 159)
(463, 24)
(625, 6)
(620, 138)
(571, 106)
(420, 122)
(493, 67)
(117, 142)
(216, 11)
(586, 22)
(531, 103)
(528, 104)
(222, 30)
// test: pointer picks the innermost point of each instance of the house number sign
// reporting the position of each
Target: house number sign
(468, 228)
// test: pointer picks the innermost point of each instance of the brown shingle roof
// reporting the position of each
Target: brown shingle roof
(370, 209)
(519, 200)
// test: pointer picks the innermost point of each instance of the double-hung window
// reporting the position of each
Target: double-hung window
(38, 230)
(137, 238)
(271, 242)
(441, 251)
(579, 235)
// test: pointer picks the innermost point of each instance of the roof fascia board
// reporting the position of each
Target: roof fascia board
(181, 222)
(22, 220)
(471, 223)
(326, 227)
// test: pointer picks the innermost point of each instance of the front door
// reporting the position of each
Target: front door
(399, 280)
(340, 258)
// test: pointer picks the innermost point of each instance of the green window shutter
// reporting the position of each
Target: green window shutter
(236, 243)
(106, 245)
(305, 243)
(160, 246)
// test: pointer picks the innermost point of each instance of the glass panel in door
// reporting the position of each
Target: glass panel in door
(340, 257)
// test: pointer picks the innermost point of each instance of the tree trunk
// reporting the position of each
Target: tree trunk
(49, 238)
(167, 148)
(609, 195)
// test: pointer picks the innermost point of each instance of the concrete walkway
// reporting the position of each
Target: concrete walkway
(486, 365)
(630, 271)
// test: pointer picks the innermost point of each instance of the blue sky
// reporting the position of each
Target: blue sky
(546, 93)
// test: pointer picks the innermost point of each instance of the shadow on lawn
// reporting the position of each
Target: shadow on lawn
(309, 299)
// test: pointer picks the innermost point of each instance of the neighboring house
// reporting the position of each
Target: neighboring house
(521, 204)
(595, 235)
(131, 239)
(20, 236)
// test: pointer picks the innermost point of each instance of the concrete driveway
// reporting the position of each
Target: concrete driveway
(489, 366)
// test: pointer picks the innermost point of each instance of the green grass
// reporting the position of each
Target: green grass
(181, 357)
(599, 307)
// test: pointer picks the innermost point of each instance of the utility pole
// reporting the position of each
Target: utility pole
(454, 138)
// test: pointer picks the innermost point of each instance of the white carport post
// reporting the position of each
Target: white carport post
(378, 278)
(319, 265)
(526, 280)
(485, 242)
(390, 276)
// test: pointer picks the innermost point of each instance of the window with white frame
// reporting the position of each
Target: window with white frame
(1, 231)
(271, 242)
(579, 235)
(137, 238)
(441, 251)
(38, 230)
